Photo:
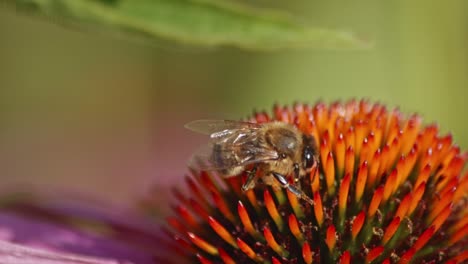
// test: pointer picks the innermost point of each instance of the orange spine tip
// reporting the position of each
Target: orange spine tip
(365, 150)
(428, 135)
(330, 174)
(345, 258)
(410, 162)
(245, 219)
(294, 202)
(307, 253)
(446, 141)
(208, 183)
(349, 160)
(411, 132)
(357, 224)
(389, 185)
(278, 112)
(315, 180)
(270, 239)
(374, 253)
(456, 165)
(302, 122)
(343, 195)
(394, 151)
(375, 202)
(399, 167)
(324, 147)
(279, 194)
(223, 207)
(272, 210)
(331, 238)
(349, 138)
(176, 225)
(452, 155)
(225, 257)
(407, 256)
(373, 146)
(460, 258)
(404, 206)
(340, 151)
(244, 247)
(462, 188)
(294, 227)
(440, 205)
(187, 216)
(179, 196)
(360, 132)
(364, 107)
(361, 181)
(320, 114)
(203, 260)
(440, 219)
(443, 185)
(393, 129)
(275, 260)
(252, 199)
(459, 234)
(378, 135)
(428, 159)
(391, 229)
(458, 225)
(423, 175)
(202, 244)
(184, 244)
(450, 187)
(195, 190)
(373, 170)
(384, 163)
(287, 116)
(318, 210)
(235, 185)
(222, 232)
(416, 197)
(262, 117)
(423, 238)
(199, 209)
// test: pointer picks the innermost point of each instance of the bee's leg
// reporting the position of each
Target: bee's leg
(297, 183)
(249, 183)
(285, 184)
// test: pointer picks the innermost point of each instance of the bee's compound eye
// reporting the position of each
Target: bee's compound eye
(308, 157)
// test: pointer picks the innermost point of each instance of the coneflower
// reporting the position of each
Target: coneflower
(389, 190)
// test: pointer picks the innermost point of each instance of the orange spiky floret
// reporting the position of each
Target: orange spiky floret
(389, 190)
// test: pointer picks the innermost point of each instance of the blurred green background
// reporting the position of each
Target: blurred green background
(104, 115)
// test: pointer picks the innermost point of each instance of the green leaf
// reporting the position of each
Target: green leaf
(199, 22)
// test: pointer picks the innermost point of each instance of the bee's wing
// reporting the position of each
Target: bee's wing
(236, 147)
(218, 128)
(202, 159)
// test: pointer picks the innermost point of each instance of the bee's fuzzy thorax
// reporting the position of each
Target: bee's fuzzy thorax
(389, 190)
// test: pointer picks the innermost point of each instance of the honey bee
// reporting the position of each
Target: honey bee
(275, 152)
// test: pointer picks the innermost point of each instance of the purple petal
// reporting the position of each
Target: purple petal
(36, 233)
(126, 225)
(18, 254)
